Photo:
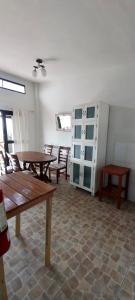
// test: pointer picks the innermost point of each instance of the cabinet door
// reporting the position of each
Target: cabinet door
(89, 132)
(78, 114)
(89, 153)
(87, 177)
(90, 112)
(75, 170)
(76, 151)
(77, 132)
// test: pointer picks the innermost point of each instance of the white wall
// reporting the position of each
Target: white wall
(12, 100)
(111, 85)
(121, 141)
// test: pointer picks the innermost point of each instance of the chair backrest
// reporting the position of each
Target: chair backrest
(14, 162)
(63, 155)
(48, 149)
(2, 163)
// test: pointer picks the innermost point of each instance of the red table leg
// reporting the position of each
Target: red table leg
(127, 184)
(118, 200)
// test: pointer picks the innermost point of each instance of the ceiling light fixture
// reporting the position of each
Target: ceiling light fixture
(39, 66)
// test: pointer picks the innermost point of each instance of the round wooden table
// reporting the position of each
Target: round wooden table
(33, 157)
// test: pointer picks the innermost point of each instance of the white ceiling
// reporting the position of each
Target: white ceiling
(77, 34)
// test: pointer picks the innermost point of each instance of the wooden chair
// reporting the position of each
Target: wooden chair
(15, 164)
(48, 149)
(4, 169)
(61, 166)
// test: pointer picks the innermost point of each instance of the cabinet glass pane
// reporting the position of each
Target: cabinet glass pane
(78, 113)
(88, 153)
(77, 132)
(89, 135)
(87, 177)
(76, 173)
(90, 112)
(77, 151)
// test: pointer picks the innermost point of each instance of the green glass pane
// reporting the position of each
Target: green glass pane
(87, 177)
(77, 131)
(77, 151)
(78, 113)
(88, 153)
(89, 132)
(91, 112)
(76, 173)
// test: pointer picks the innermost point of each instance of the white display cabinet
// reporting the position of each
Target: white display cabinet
(89, 138)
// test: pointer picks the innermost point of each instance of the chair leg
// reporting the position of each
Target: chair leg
(57, 176)
(66, 174)
(49, 174)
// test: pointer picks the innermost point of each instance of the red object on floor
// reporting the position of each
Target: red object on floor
(111, 190)
(4, 235)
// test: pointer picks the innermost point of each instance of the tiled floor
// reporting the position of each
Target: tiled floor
(93, 250)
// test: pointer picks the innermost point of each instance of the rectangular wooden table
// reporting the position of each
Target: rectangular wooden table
(22, 192)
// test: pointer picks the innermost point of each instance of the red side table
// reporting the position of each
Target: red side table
(111, 190)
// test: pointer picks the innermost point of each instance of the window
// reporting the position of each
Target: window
(12, 86)
(63, 121)
(6, 131)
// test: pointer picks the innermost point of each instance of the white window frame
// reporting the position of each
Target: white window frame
(13, 86)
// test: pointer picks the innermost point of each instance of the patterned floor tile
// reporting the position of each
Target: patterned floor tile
(93, 250)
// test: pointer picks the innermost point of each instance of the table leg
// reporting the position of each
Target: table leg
(109, 180)
(24, 165)
(41, 171)
(46, 178)
(48, 231)
(3, 290)
(32, 168)
(127, 184)
(17, 226)
(118, 200)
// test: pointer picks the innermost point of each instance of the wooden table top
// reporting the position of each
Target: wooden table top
(35, 157)
(22, 191)
(115, 170)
